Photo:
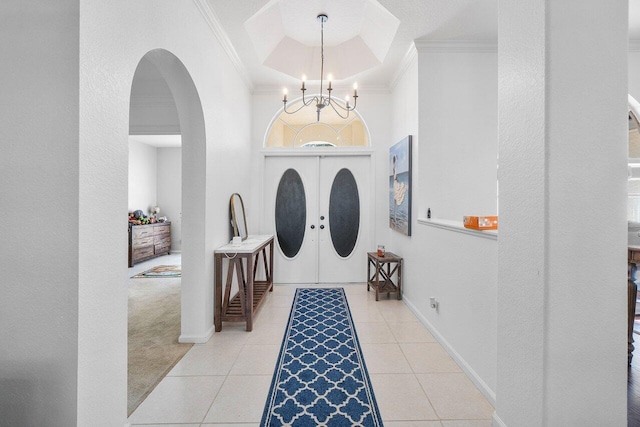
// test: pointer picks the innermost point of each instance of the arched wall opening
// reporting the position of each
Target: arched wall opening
(192, 128)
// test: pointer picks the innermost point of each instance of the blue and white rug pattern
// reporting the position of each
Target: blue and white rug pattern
(320, 377)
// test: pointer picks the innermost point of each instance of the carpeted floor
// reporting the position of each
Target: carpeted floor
(154, 328)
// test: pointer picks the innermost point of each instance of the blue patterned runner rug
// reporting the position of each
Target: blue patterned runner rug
(320, 377)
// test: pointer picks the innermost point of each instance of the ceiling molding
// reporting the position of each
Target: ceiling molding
(456, 46)
(363, 90)
(214, 24)
(405, 62)
(634, 45)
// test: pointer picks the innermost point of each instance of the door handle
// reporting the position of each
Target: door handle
(313, 226)
(322, 227)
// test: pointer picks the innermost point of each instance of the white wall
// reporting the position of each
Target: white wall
(39, 174)
(143, 173)
(562, 275)
(459, 138)
(447, 101)
(66, 82)
(634, 73)
(169, 186)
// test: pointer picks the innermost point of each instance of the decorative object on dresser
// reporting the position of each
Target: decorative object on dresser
(148, 241)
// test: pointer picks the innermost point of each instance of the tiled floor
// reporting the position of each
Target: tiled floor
(225, 381)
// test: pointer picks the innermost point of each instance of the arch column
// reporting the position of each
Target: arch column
(196, 290)
(562, 248)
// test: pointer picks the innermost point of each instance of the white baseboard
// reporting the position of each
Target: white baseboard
(497, 422)
(479, 382)
(196, 339)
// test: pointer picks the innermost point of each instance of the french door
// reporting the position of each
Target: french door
(319, 210)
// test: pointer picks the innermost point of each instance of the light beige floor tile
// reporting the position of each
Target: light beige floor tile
(427, 357)
(231, 333)
(241, 400)
(374, 332)
(267, 333)
(410, 332)
(256, 360)
(467, 423)
(396, 311)
(401, 398)
(366, 314)
(283, 301)
(178, 400)
(355, 289)
(412, 424)
(277, 315)
(207, 360)
(385, 359)
(455, 397)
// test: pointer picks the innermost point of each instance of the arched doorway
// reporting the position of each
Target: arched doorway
(185, 115)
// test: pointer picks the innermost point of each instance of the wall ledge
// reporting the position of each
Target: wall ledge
(456, 226)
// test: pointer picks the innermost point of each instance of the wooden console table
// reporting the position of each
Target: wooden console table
(381, 280)
(251, 292)
(633, 259)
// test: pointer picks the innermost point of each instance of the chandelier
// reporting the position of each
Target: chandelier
(321, 101)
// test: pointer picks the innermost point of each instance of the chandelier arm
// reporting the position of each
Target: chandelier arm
(304, 104)
(333, 105)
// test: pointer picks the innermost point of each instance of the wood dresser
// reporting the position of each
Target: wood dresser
(148, 241)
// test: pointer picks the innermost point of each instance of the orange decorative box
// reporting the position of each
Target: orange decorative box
(481, 222)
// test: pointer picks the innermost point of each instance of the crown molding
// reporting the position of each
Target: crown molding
(312, 90)
(214, 24)
(634, 45)
(456, 46)
(405, 62)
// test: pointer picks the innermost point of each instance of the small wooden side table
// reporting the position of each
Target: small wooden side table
(382, 279)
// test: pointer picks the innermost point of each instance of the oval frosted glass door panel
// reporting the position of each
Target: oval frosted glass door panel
(290, 213)
(344, 213)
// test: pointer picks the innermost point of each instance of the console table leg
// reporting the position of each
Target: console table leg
(632, 295)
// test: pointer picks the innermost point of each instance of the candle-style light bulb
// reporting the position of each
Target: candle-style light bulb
(346, 98)
(355, 89)
(329, 77)
(304, 79)
(285, 92)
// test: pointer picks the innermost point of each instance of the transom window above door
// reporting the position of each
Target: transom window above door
(301, 130)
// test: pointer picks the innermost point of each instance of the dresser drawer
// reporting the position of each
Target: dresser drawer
(162, 248)
(162, 230)
(143, 252)
(142, 241)
(141, 232)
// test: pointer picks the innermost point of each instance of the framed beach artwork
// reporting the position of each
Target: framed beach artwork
(400, 186)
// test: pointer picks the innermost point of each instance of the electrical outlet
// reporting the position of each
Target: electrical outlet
(434, 303)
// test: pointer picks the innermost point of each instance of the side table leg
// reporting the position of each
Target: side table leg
(399, 279)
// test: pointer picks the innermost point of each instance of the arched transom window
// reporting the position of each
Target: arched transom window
(302, 130)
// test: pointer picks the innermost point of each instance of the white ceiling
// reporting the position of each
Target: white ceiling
(418, 19)
(433, 19)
